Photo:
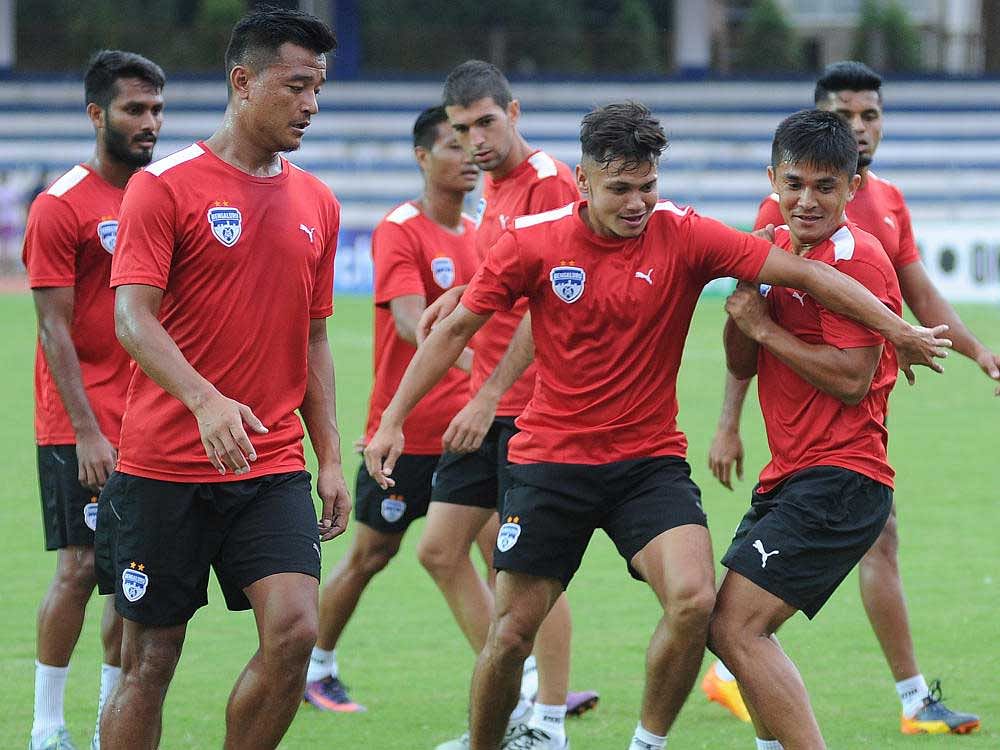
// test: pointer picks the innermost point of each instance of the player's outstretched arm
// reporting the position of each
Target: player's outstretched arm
(220, 419)
(467, 429)
(931, 308)
(437, 311)
(841, 294)
(428, 366)
(319, 412)
(94, 453)
(845, 374)
(407, 312)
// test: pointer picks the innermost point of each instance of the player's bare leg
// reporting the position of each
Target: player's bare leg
(678, 566)
(133, 716)
(522, 602)
(60, 616)
(552, 646)
(370, 552)
(742, 635)
(485, 540)
(111, 633)
(269, 690)
(444, 551)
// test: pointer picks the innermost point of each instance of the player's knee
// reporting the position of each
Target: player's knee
(75, 574)
(153, 665)
(439, 560)
(513, 637)
(371, 559)
(691, 607)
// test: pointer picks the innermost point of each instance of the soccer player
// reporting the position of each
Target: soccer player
(224, 277)
(612, 282)
(470, 484)
(853, 90)
(420, 249)
(81, 371)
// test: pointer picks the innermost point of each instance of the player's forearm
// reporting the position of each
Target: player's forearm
(319, 404)
(741, 353)
(518, 357)
(931, 309)
(64, 364)
(733, 397)
(841, 294)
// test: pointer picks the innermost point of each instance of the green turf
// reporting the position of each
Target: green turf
(404, 657)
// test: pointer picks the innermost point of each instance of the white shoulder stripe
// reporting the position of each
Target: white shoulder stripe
(774, 197)
(521, 222)
(671, 207)
(843, 244)
(178, 157)
(68, 181)
(402, 214)
(545, 165)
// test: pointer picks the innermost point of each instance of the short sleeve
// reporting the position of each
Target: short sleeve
(718, 250)
(769, 212)
(50, 243)
(321, 304)
(146, 234)
(845, 333)
(551, 193)
(499, 282)
(397, 258)
(908, 252)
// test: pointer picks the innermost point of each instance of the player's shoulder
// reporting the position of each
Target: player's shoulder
(882, 185)
(546, 221)
(544, 166)
(852, 243)
(67, 184)
(666, 212)
(179, 163)
(402, 215)
(307, 180)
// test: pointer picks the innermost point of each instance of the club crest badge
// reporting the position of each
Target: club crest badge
(107, 233)
(90, 516)
(134, 583)
(568, 282)
(393, 508)
(480, 212)
(765, 289)
(444, 272)
(226, 223)
(510, 532)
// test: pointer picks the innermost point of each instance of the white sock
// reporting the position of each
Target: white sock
(724, 674)
(50, 686)
(768, 744)
(643, 739)
(550, 719)
(521, 713)
(322, 664)
(529, 678)
(912, 692)
(109, 679)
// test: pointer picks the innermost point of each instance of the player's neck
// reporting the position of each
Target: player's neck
(109, 169)
(518, 153)
(443, 207)
(237, 148)
(863, 171)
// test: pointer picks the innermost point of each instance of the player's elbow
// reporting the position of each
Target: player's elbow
(126, 324)
(854, 390)
(742, 368)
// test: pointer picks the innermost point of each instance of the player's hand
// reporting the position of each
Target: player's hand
(220, 422)
(765, 233)
(436, 311)
(990, 364)
(382, 452)
(358, 446)
(96, 459)
(748, 309)
(467, 429)
(332, 490)
(920, 346)
(726, 449)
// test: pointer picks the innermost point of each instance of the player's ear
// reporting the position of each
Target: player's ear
(239, 81)
(421, 154)
(770, 176)
(514, 110)
(96, 115)
(582, 183)
(853, 187)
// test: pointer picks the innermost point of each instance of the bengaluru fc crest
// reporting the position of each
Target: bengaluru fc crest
(568, 282)
(393, 508)
(227, 224)
(444, 272)
(134, 584)
(107, 232)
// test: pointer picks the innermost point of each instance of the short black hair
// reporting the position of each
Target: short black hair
(474, 80)
(816, 137)
(425, 128)
(107, 66)
(257, 36)
(846, 75)
(625, 131)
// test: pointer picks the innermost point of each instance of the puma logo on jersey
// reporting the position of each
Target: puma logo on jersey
(647, 277)
(759, 546)
(800, 296)
(308, 231)
(503, 222)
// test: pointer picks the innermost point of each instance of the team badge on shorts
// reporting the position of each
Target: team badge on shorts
(393, 508)
(568, 282)
(107, 233)
(90, 516)
(134, 582)
(444, 272)
(227, 224)
(509, 533)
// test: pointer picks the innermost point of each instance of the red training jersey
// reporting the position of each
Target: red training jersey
(69, 242)
(245, 262)
(609, 319)
(805, 426)
(878, 208)
(539, 183)
(414, 255)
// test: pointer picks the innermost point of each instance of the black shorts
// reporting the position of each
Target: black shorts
(157, 541)
(801, 539)
(392, 511)
(552, 510)
(69, 510)
(479, 479)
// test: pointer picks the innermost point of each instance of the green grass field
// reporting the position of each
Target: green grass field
(405, 659)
